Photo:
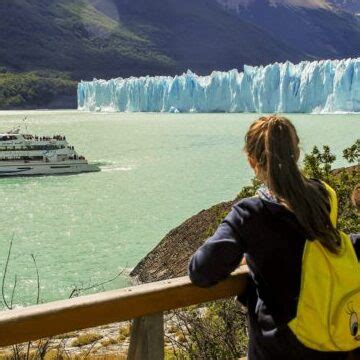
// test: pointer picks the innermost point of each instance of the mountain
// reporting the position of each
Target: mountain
(48, 41)
(315, 27)
(352, 6)
(109, 38)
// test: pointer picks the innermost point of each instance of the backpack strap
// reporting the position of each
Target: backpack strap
(333, 203)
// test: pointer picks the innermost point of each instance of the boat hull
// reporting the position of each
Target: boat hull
(46, 168)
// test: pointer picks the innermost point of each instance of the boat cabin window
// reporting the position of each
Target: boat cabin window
(7, 137)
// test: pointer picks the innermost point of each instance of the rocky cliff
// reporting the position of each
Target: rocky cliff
(170, 257)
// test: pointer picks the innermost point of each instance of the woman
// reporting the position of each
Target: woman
(271, 231)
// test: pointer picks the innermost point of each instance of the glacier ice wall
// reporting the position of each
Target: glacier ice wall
(323, 86)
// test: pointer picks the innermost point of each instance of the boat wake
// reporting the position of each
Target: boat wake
(109, 167)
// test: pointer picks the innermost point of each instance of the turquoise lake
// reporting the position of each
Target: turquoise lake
(157, 170)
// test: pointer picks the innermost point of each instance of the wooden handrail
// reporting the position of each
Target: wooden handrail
(40, 321)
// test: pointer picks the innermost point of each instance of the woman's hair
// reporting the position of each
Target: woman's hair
(273, 144)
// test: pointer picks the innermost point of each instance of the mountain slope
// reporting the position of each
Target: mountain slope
(70, 36)
(92, 38)
(311, 26)
(201, 35)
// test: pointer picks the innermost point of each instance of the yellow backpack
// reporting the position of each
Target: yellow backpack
(328, 313)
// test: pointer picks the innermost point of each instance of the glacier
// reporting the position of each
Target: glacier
(325, 86)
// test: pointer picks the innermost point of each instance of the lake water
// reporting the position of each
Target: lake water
(157, 170)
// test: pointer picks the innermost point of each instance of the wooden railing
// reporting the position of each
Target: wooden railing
(144, 303)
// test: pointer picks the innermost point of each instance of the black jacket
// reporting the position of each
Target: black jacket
(272, 241)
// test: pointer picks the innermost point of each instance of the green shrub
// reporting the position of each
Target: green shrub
(215, 332)
(33, 89)
(320, 165)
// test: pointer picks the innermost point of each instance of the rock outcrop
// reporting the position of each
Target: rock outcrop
(170, 257)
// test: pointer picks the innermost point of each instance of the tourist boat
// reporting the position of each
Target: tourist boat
(24, 154)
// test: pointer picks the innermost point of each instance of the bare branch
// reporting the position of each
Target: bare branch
(5, 272)
(76, 291)
(37, 279)
(28, 350)
(13, 292)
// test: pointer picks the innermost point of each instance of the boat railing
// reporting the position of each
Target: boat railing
(33, 148)
(144, 304)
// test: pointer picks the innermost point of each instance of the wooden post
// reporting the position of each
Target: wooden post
(147, 338)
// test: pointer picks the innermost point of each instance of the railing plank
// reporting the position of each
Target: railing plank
(35, 322)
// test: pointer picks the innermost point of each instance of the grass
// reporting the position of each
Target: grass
(124, 332)
(86, 339)
(66, 335)
(108, 341)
